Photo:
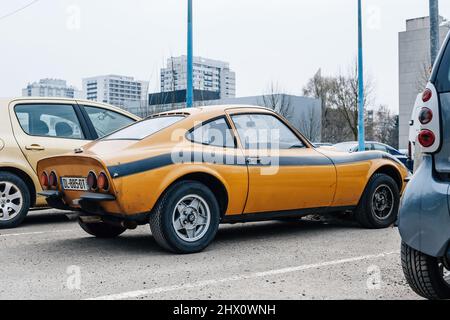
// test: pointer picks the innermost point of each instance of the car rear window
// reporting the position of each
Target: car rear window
(443, 77)
(144, 128)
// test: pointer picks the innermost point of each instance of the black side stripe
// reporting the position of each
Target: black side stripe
(136, 167)
(128, 169)
(357, 157)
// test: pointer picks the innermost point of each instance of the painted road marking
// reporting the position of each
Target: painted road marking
(141, 293)
(35, 233)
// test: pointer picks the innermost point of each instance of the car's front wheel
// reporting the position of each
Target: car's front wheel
(378, 207)
(429, 277)
(101, 229)
(15, 200)
(186, 219)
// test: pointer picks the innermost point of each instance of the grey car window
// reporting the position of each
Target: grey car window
(106, 121)
(55, 120)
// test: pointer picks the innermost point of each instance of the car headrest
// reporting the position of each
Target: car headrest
(63, 129)
(40, 128)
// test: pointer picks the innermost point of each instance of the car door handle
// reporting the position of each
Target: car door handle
(35, 147)
(253, 160)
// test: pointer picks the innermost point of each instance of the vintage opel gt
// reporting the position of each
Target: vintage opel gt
(185, 172)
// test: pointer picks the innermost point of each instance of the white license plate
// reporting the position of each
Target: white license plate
(75, 184)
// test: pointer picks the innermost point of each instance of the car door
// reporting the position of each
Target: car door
(44, 129)
(102, 122)
(215, 145)
(285, 173)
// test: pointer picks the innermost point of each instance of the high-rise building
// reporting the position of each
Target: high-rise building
(120, 91)
(414, 67)
(51, 88)
(209, 75)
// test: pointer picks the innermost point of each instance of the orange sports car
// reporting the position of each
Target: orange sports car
(186, 171)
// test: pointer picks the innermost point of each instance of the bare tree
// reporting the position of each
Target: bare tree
(386, 126)
(424, 76)
(344, 97)
(277, 101)
(320, 88)
(310, 125)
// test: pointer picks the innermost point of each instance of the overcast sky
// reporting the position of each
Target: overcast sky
(283, 41)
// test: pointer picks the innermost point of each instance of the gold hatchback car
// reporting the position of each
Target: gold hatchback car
(36, 128)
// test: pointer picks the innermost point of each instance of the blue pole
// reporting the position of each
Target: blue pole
(190, 70)
(361, 134)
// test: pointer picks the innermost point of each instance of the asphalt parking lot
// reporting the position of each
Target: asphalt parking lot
(50, 257)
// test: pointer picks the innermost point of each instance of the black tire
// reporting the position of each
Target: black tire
(365, 212)
(424, 275)
(161, 218)
(102, 230)
(19, 188)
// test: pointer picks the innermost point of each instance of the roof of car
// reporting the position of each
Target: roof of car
(205, 110)
(4, 102)
(356, 142)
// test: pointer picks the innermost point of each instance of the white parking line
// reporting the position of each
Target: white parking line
(35, 233)
(141, 293)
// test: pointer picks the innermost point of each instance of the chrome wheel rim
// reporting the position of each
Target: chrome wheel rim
(191, 218)
(383, 202)
(11, 201)
(445, 273)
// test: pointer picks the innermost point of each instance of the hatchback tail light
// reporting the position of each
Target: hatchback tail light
(427, 95)
(425, 116)
(426, 138)
(52, 180)
(92, 181)
(44, 179)
(103, 182)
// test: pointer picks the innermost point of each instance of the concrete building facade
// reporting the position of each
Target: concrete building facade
(51, 88)
(414, 68)
(120, 91)
(209, 75)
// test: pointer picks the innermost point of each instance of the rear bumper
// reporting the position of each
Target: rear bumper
(89, 204)
(424, 218)
(86, 201)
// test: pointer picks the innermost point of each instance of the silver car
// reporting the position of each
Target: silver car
(424, 220)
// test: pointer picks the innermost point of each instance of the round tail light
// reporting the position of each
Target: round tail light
(425, 116)
(53, 180)
(103, 182)
(44, 179)
(427, 95)
(92, 181)
(426, 138)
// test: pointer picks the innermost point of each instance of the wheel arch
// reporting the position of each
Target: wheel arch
(212, 182)
(26, 178)
(392, 172)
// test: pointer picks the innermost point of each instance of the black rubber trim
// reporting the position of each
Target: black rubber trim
(268, 216)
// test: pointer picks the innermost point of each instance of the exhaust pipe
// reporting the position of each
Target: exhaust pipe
(131, 225)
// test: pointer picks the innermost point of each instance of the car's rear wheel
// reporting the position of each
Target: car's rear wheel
(102, 229)
(15, 200)
(429, 277)
(186, 219)
(378, 207)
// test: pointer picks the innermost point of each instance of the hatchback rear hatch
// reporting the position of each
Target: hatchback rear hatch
(434, 116)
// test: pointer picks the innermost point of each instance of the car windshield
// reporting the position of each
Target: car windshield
(144, 128)
(346, 147)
